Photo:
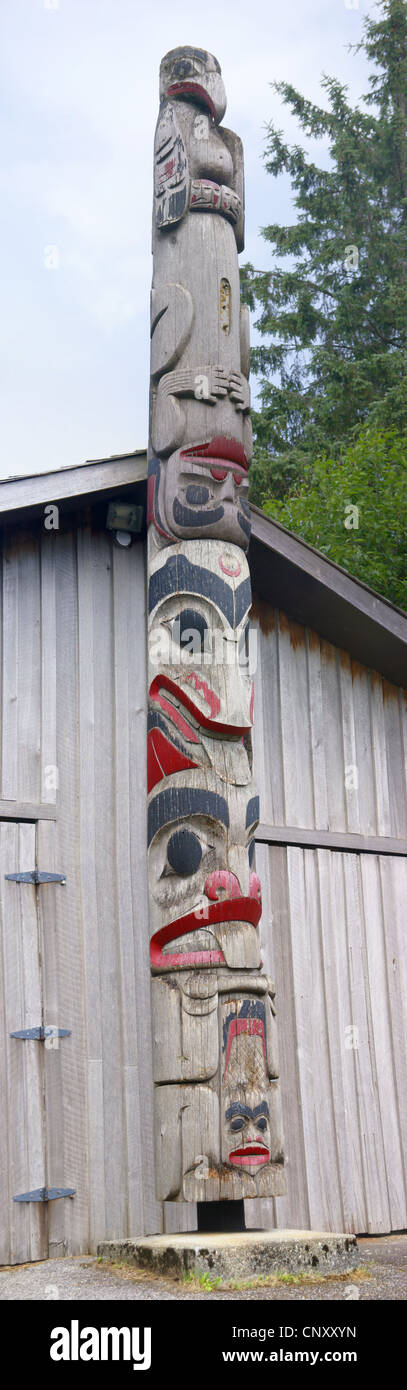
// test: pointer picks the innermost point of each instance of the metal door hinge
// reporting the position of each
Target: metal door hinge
(34, 876)
(45, 1194)
(40, 1033)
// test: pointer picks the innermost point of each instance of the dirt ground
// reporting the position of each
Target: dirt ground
(382, 1275)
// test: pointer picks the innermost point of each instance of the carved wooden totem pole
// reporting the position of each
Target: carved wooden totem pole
(217, 1104)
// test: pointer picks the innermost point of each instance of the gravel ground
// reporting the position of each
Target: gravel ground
(83, 1278)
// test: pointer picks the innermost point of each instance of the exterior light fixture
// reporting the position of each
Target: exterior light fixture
(125, 519)
(123, 538)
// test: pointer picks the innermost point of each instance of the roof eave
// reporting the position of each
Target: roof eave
(286, 571)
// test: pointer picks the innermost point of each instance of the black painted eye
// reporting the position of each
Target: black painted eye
(184, 67)
(190, 627)
(262, 1123)
(184, 852)
(196, 496)
(237, 1124)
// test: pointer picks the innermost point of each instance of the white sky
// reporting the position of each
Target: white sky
(79, 84)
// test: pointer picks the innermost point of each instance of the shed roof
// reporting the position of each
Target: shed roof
(286, 571)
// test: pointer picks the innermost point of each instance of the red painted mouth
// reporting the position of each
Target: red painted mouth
(204, 721)
(193, 89)
(174, 961)
(220, 449)
(250, 1154)
(229, 910)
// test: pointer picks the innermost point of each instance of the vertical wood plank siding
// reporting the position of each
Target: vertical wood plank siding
(73, 694)
(23, 1232)
(332, 928)
(321, 718)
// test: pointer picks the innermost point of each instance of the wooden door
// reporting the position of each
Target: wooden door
(23, 1225)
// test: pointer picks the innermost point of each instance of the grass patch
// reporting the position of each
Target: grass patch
(303, 1276)
(203, 1281)
(207, 1283)
(272, 1281)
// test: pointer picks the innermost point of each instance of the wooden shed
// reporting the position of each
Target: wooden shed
(331, 761)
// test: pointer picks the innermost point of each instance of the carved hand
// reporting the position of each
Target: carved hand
(216, 382)
(239, 391)
(206, 385)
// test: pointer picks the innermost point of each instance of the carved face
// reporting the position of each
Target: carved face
(201, 490)
(200, 875)
(194, 75)
(198, 642)
(246, 1096)
(246, 1129)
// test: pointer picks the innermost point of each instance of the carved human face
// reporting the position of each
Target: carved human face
(193, 75)
(201, 882)
(201, 490)
(198, 643)
(247, 1098)
(246, 1130)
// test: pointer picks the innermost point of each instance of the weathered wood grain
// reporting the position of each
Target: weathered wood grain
(48, 657)
(23, 1161)
(84, 479)
(344, 1129)
(220, 1136)
(10, 672)
(353, 723)
(63, 913)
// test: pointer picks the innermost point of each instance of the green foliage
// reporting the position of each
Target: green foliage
(371, 475)
(334, 357)
(203, 1281)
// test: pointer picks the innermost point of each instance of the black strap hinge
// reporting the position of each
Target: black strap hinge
(45, 1194)
(40, 1033)
(34, 876)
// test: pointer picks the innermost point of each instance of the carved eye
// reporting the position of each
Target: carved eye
(262, 1123)
(186, 67)
(189, 630)
(237, 1124)
(184, 852)
(197, 496)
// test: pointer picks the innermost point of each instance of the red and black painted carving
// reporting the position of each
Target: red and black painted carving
(218, 1128)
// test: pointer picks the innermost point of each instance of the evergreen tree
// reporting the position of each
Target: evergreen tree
(335, 320)
(354, 509)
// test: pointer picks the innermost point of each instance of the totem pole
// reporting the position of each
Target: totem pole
(217, 1104)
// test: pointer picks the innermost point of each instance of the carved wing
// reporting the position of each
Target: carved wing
(235, 147)
(171, 174)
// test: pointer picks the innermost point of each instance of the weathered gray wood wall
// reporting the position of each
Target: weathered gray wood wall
(73, 698)
(330, 752)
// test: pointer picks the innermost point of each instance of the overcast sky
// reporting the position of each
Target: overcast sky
(79, 84)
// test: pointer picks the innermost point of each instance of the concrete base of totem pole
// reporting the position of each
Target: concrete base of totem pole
(239, 1255)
